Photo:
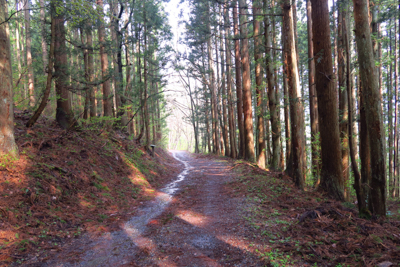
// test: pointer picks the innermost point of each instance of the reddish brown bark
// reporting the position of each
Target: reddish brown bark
(7, 141)
(331, 169)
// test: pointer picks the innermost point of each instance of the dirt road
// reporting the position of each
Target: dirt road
(192, 222)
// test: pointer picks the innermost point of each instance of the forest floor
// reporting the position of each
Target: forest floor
(92, 198)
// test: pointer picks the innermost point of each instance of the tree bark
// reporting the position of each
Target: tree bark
(239, 90)
(343, 91)
(259, 90)
(212, 88)
(273, 99)
(45, 55)
(63, 112)
(331, 170)
(315, 151)
(247, 106)
(7, 140)
(231, 119)
(28, 39)
(107, 101)
(370, 85)
(296, 108)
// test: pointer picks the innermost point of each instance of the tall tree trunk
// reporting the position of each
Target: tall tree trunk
(370, 85)
(225, 129)
(145, 77)
(17, 36)
(107, 101)
(331, 170)
(90, 62)
(63, 112)
(396, 110)
(343, 105)
(231, 119)
(315, 157)
(360, 192)
(259, 89)
(273, 100)
(390, 117)
(45, 55)
(31, 82)
(213, 92)
(239, 90)
(247, 106)
(296, 107)
(7, 140)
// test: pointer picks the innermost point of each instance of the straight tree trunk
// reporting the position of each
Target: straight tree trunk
(224, 82)
(360, 191)
(370, 85)
(215, 119)
(343, 105)
(259, 90)
(45, 55)
(63, 111)
(107, 101)
(315, 157)
(296, 107)
(390, 117)
(7, 140)
(247, 106)
(28, 39)
(273, 100)
(90, 62)
(331, 169)
(231, 119)
(17, 36)
(239, 90)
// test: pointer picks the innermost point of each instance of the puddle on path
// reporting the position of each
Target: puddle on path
(136, 225)
(120, 247)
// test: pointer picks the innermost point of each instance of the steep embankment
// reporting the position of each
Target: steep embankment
(66, 183)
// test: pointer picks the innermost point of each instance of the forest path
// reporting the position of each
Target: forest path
(192, 222)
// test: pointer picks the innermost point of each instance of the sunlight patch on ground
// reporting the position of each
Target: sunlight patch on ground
(193, 218)
(239, 243)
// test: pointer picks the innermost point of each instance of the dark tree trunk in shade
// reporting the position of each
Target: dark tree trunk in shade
(231, 117)
(331, 169)
(343, 105)
(259, 88)
(315, 157)
(371, 97)
(239, 91)
(63, 112)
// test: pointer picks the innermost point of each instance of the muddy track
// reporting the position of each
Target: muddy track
(192, 222)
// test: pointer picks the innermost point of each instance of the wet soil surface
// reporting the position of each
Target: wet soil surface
(193, 221)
